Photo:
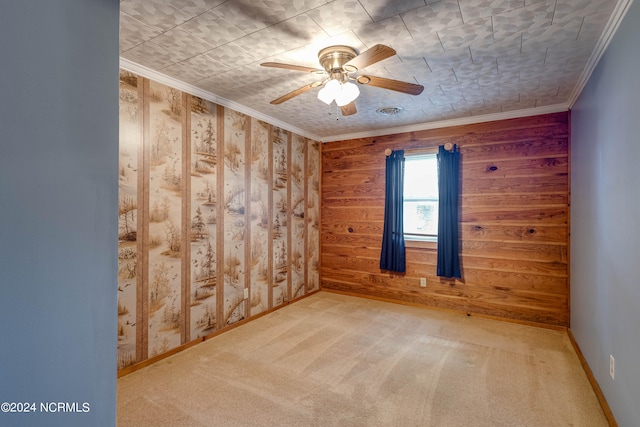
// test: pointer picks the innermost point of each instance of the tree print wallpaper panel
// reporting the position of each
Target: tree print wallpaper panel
(312, 180)
(298, 209)
(259, 218)
(164, 227)
(235, 134)
(203, 234)
(128, 250)
(219, 217)
(280, 216)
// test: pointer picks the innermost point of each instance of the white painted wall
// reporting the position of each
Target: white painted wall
(605, 220)
(58, 208)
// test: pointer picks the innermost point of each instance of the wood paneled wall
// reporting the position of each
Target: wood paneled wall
(514, 211)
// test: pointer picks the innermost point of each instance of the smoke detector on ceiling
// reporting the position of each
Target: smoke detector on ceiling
(389, 111)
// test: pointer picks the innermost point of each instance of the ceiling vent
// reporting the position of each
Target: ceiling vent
(389, 111)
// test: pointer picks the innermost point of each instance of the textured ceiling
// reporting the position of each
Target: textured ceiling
(473, 57)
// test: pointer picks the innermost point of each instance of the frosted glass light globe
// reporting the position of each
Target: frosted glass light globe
(329, 92)
(349, 92)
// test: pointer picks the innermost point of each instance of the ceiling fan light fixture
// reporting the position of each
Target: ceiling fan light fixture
(342, 93)
(328, 93)
(348, 93)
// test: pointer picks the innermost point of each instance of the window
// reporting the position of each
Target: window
(421, 197)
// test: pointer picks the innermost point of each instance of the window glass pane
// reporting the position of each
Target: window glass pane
(421, 177)
(421, 218)
(421, 195)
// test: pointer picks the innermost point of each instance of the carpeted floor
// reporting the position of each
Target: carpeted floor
(335, 360)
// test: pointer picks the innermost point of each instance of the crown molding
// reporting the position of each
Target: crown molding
(453, 122)
(612, 26)
(610, 29)
(185, 87)
(620, 10)
(190, 89)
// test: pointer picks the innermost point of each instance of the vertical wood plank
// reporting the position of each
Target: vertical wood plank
(144, 284)
(270, 214)
(569, 223)
(289, 216)
(185, 297)
(305, 252)
(220, 221)
(247, 215)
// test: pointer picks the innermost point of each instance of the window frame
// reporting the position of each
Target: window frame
(416, 239)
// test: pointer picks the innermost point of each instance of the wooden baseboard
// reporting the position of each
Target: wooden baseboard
(596, 387)
(137, 366)
(150, 361)
(592, 380)
(449, 310)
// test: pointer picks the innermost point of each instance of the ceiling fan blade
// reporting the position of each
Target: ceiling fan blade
(293, 93)
(396, 85)
(349, 109)
(370, 56)
(292, 67)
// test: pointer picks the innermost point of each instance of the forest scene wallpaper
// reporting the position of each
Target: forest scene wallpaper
(280, 218)
(259, 218)
(204, 167)
(234, 215)
(312, 216)
(297, 209)
(164, 228)
(128, 246)
(218, 218)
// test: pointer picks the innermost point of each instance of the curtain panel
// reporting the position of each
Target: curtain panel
(448, 251)
(392, 256)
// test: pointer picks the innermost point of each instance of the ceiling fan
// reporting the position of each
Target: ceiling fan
(339, 67)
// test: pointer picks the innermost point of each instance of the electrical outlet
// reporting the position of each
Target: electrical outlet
(423, 282)
(612, 367)
(246, 293)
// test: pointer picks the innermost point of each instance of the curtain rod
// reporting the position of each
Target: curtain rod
(447, 146)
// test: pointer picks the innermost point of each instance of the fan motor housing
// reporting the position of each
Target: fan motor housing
(333, 58)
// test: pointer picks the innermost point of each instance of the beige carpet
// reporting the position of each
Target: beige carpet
(334, 360)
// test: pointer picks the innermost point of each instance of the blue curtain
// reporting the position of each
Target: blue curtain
(448, 257)
(392, 256)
